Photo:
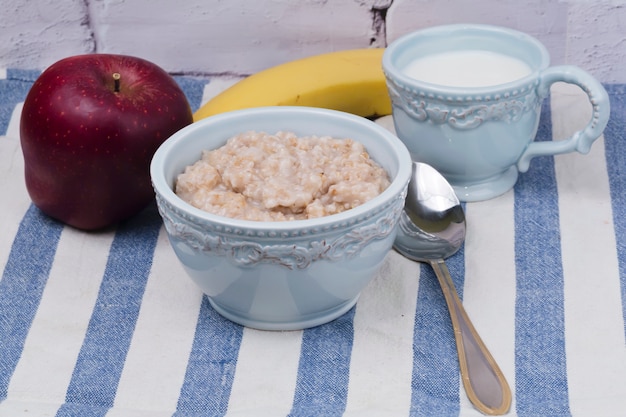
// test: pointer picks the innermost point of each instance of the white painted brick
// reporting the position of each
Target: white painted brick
(234, 36)
(598, 39)
(35, 34)
(238, 37)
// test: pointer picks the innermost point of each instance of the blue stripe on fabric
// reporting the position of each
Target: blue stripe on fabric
(82, 410)
(540, 362)
(615, 151)
(324, 368)
(193, 88)
(23, 281)
(13, 90)
(211, 367)
(436, 373)
(101, 359)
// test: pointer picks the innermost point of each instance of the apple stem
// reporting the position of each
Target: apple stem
(116, 80)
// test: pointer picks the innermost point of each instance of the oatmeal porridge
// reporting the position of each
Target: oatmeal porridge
(264, 177)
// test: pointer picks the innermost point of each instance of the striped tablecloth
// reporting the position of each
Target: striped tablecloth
(95, 324)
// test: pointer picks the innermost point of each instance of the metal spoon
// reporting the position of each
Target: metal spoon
(432, 228)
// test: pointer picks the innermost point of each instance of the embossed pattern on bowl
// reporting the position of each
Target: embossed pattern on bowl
(281, 275)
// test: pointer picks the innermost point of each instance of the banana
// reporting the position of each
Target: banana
(350, 81)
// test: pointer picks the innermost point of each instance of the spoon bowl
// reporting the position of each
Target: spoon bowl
(432, 225)
(432, 228)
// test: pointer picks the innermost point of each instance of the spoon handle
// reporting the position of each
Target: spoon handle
(484, 383)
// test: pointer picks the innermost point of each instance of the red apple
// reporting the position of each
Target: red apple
(89, 128)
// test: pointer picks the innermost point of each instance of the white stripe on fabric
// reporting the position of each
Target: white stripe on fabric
(125, 412)
(159, 351)
(3, 73)
(65, 308)
(267, 369)
(28, 408)
(383, 341)
(13, 129)
(16, 200)
(216, 86)
(490, 275)
(593, 311)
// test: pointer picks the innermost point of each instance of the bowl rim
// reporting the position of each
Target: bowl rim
(395, 188)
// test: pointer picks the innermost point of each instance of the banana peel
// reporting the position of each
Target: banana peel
(351, 81)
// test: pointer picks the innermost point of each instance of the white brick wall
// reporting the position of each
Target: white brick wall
(240, 37)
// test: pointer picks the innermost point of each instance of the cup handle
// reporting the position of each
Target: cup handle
(582, 140)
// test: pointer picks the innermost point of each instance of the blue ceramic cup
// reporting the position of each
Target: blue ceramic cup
(479, 135)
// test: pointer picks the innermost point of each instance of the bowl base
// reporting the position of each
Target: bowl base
(311, 320)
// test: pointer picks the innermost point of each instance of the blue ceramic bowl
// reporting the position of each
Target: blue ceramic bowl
(281, 275)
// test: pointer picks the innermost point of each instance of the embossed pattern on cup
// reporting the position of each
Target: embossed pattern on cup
(481, 138)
